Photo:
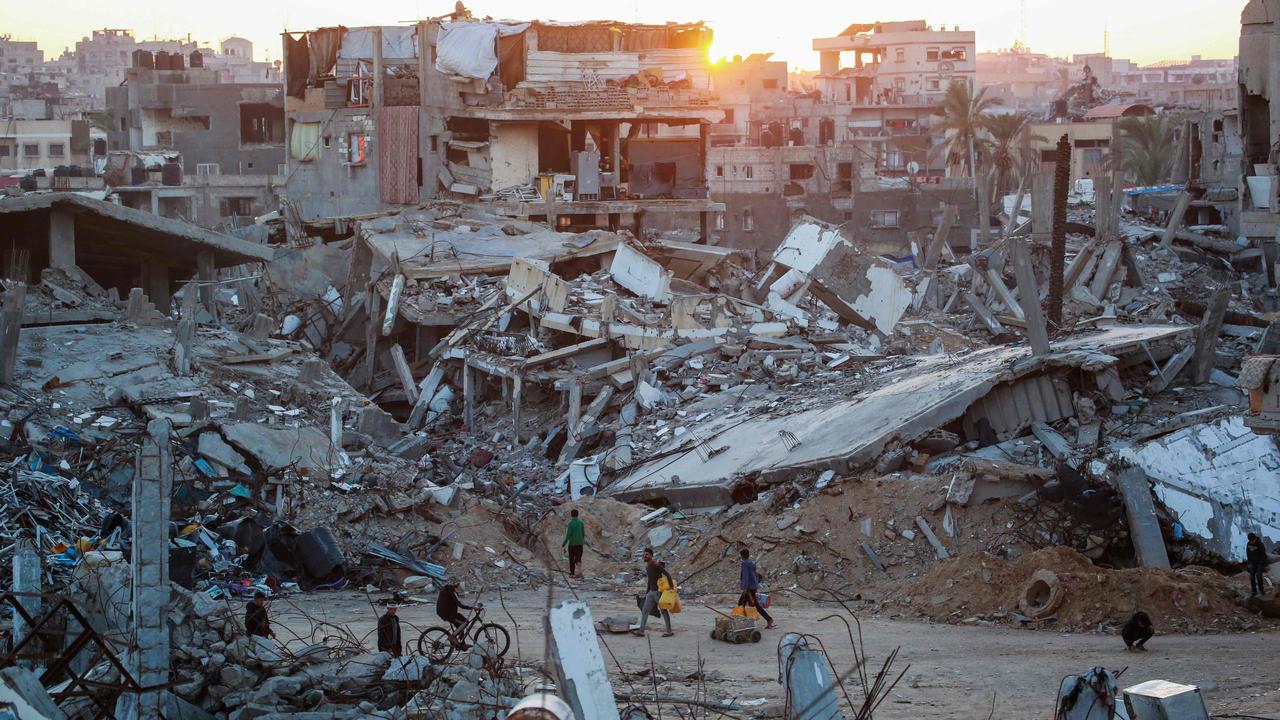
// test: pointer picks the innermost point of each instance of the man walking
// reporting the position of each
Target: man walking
(256, 621)
(575, 537)
(749, 583)
(653, 570)
(389, 632)
(1256, 556)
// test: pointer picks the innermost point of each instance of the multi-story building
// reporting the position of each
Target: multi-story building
(1022, 80)
(34, 144)
(563, 122)
(1198, 84)
(894, 63)
(224, 128)
(103, 59)
(234, 63)
(19, 57)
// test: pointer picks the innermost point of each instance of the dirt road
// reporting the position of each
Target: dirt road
(954, 671)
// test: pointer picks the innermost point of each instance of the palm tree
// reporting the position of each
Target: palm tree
(1147, 148)
(963, 119)
(1006, 146)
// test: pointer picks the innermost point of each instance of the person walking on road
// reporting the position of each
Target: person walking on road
(1256, 555)
(653, 570)
(749, 583)
(575, 537)
(389, 632)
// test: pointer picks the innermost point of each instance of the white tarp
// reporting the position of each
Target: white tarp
(470, 49)
(398, 43)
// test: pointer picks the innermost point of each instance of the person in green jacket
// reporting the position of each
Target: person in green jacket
(575, 536)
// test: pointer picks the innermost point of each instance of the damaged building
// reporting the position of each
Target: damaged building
(582, 125)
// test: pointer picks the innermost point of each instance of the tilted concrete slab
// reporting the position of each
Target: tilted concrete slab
(1221, 480)
(851, 433)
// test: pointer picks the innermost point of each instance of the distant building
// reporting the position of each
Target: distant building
(19, 57)
(587, 125)
(103, 59)
(1022, 80)
(894, 63)
(33, 144)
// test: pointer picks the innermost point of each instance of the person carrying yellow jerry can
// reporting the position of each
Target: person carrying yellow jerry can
(669, 597)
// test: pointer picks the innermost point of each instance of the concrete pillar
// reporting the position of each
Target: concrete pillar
(10, 330)
(468, 397)
(26, 579)
(517, 391)
(207, 274)
(149, 656)
(186, 333)
(155, 283)
(62, 238)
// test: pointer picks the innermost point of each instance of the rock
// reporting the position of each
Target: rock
(410, 669)
(464, 692)
(277, 688)
(24, 686)
(203, 604)
(363, 669)
(237, 676)
(787, 521)
(660, 535)
(276, 448)
(264, 650)
(212, 447)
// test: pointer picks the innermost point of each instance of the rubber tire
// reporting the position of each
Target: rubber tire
(755, 636)
(494, 633)
(435, 644)
(713, 635)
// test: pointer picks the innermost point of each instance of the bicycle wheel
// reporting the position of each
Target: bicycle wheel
(434, 642)
(494, 637)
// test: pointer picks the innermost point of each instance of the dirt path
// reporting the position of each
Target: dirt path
(953, 670)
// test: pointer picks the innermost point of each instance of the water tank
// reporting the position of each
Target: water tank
(171, 173)
(99, 147)
(162, 60)
(62, 171)
(28, 184)
(144, 59)
(138, 174)
(176, 61)
(197, 59)
(76, 171)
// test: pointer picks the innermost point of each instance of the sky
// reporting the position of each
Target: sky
(1139, 30)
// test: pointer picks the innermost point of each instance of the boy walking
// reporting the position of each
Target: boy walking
(575, 537)
(749, 583)
(653, 570)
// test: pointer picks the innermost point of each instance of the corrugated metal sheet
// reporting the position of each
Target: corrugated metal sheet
(553, 67)
(1012, 407)
(398, 155)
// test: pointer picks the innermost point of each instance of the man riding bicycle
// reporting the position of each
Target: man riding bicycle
(447, 605)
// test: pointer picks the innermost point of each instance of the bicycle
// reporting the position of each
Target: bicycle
(439, 643)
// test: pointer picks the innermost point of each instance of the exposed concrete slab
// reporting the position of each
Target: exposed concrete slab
(279, 447)
(1144, 527)
(636, 272)
(212, 447)
(581, 674)
(851, 433)
(1220, 479)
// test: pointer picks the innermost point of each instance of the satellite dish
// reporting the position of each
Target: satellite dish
(913, 168)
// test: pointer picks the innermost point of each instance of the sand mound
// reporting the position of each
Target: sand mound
(1191, 599)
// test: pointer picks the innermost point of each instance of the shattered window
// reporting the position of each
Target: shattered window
(884, 218)
(955, 54)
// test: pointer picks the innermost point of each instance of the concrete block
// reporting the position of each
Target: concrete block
(580, 670)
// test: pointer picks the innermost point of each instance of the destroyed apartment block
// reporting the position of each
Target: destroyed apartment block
(581, 125)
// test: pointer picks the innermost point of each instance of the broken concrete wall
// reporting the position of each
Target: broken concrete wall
(1220, 480)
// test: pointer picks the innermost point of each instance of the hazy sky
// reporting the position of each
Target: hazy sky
(1140, 30)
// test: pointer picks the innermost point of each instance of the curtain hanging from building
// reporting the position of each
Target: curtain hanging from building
(397, 148)
(511, 59)
(304, 140)
(324, 51)
(297, 60)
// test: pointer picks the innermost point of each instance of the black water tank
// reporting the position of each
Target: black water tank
(176, 61)
(38, 172)
(99, 147)
(171, 174)
(144, 59)
(197, 59)
(28, 183)
(138, 174)
(76, 171)
(62, 171)
(162, 60)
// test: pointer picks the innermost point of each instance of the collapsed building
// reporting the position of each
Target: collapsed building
(581, 125)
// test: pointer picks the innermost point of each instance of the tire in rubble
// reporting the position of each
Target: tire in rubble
(435, 643)
(1041, 595)
(493, 637)
(755, 636)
